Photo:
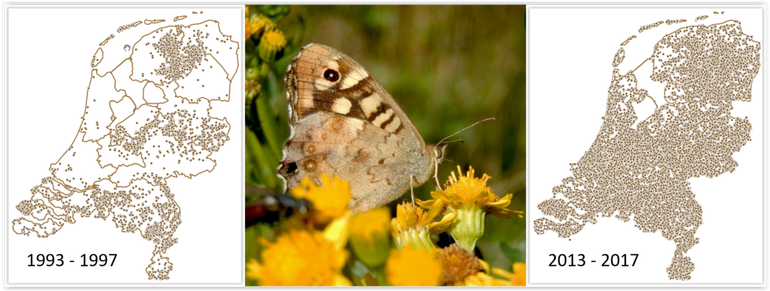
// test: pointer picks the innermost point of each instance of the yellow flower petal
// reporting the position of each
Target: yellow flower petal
(434, 211)
(341, 281)
(337, 231)
(426, 203)
(502, 273)
(482, 279)
(517, 278)
(444, 224)
(502, 203)
(484, 266)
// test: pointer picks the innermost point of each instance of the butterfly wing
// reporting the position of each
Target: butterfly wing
(345, 123)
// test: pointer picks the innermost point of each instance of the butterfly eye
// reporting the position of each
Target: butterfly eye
(331, 75)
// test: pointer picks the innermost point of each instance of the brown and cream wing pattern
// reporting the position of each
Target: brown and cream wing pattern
(344, 123)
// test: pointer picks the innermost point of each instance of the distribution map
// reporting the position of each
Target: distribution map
(145, 121)
(638, 168)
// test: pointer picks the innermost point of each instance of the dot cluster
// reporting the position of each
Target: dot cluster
(148, 208)
(128, 26)
(642, 173)
(619, 57)
(181, 57)
(676, 21)
(650, 26)
(186, 134)
(625, 42)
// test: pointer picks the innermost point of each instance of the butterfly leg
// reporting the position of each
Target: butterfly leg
(411, 186)
(435, 174)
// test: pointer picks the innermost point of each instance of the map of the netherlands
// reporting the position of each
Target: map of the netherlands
(640, 167)
(151, 117)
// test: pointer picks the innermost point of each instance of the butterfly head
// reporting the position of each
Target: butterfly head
(438, 151)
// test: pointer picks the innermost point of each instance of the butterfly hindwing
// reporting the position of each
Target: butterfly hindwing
(342, 146)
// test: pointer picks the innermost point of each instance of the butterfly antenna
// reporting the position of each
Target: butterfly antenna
(435, 161)
(455, 140)
(466, 128)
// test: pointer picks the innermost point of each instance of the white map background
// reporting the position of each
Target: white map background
(49, 65)
(570, 68)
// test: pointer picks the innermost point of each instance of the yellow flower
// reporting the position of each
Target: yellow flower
(458, 264)
(517, 278)
(472, 200)
(413, 226)
(413, 267)
(330, 199)
(271, 45)
(482, 279)
(468, 190)
(370, 236)
(258, 25)
(299, 258)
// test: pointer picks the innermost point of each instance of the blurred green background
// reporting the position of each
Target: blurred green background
(446, 66)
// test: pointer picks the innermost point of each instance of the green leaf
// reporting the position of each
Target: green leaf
(263, 164)
(251, 235)
(294, 28)
(268, 124)
(510, 253)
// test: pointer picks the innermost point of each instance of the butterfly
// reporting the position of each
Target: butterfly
(344, 123)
